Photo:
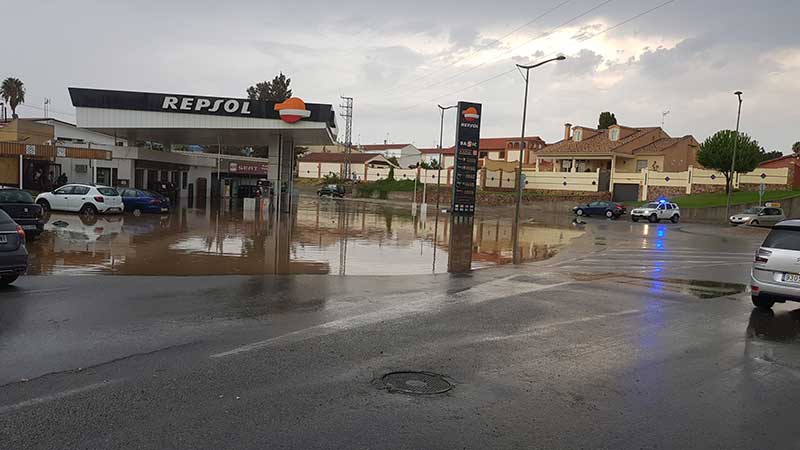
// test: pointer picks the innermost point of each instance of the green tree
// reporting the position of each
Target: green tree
(276, 90)
(766, 156)
(13, 92)
(606, 120)
(796, 147)
(717, 153)
(391, 174)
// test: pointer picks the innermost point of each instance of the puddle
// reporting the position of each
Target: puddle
(697, 288)
(319, 237)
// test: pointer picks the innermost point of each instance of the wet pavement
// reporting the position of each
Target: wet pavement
(633, 336)
(319, 237)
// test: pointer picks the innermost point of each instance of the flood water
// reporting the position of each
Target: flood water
(319, 237)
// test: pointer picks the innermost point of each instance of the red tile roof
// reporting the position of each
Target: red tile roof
(597, 143)
(780, 158)
(660, 145)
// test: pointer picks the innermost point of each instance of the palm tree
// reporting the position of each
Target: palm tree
(13, 92)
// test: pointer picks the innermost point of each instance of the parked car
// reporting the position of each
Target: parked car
(775, 276)
(138, 201)
(331, 190)
(657, 211)
(612, 210)
(13, 254)
(83, 198)
(758, 215)
(23, 210)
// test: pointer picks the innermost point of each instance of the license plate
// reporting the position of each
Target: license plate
(164, 210)
(29, 227)
(3, 239)
(791, 278)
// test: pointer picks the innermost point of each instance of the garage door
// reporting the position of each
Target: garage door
(626, 192)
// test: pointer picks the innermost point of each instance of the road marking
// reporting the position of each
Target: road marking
(539, 329)
(40, 291)
(403, 306)
(57, 396)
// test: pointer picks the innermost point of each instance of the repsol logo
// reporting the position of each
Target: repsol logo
(199, 104)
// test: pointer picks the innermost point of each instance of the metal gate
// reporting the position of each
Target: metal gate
(626, 192)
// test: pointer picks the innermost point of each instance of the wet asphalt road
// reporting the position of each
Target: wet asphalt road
(616, 343)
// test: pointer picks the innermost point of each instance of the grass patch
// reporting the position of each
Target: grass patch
(383, 187)
(737, 198)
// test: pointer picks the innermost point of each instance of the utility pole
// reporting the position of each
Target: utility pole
(46, 103)
(347, 114)
(664, 117)
(733, 159)
(517, 256)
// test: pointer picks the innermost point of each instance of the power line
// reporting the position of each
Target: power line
(485, 46)
(541, 35)
(628, 20)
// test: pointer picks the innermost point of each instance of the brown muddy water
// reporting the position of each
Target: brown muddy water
(320, 237)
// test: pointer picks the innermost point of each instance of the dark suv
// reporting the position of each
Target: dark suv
(19, 205)
(331, 190)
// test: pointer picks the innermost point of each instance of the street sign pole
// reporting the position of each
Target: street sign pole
(761, 190)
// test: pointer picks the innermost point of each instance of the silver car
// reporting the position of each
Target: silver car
(758, 215)
(776, 270)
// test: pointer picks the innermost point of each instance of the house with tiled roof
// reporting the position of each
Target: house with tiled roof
(507, 149)
(497, 149)
(620, 149)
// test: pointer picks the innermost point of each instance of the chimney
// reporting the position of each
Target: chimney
(567, 131)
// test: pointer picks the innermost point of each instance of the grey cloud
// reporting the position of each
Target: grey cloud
(585, 62)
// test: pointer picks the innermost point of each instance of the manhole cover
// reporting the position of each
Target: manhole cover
(419, 383)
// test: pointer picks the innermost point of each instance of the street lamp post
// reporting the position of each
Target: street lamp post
(517, 255)
(439, 163)
(733, 158)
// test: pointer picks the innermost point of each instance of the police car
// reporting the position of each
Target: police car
(657, 211)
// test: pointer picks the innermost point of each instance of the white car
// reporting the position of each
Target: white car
(83, 198)
(656, 212)
(776, 270)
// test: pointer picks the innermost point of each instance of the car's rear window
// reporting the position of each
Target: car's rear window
(5, 218)
(15, 196)
(783, 238)
(108, 191)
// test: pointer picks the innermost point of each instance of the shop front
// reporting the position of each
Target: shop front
(39, 167)
(242, 179)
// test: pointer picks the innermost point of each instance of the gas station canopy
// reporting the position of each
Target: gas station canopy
(202, 120)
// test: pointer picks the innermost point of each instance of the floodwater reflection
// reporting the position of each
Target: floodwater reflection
(319, 237)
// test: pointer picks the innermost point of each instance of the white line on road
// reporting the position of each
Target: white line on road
(401, 307)
(539, 329)
(40, 291)
(57, 396)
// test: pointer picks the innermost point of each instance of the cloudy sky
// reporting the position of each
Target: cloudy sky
(399, 59)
